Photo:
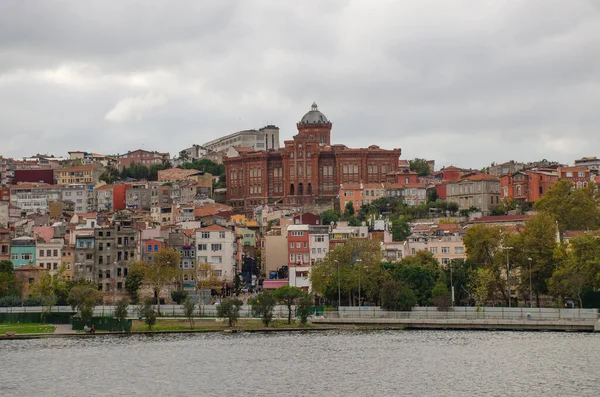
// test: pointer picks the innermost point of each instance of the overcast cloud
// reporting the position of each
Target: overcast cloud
(462, 82)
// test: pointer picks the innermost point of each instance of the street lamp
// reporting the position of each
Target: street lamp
(530, 289)
(451, 284)
(338, 277)
(359, 261)
(508, 272)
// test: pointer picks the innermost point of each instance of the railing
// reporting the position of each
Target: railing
(418, 313)
(469, 313)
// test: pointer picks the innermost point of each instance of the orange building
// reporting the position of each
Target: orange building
(527, 186)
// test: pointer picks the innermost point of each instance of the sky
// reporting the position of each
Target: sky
(465, 83)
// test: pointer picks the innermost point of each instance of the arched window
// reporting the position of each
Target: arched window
(292, 189)
(300, 189)
(310, 189)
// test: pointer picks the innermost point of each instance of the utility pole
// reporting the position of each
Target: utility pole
(530, 285)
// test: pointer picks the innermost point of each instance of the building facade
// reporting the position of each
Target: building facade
(217, 245)
(266, 138)
(23, 251)
(34, 197)
(527, 185)
(142, 157)
(481, 191)
(308, 169)
(79, 174)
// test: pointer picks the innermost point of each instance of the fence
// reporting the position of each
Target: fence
(470, 313)
(133, 310)
(418, 313)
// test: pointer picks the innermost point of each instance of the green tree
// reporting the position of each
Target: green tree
(573, 209)
(189, 307)
(484, 245)
(83, 299)
(121, 312)
(146, 310)
(400, 229)
(263, 307)
(179, 296)
(230, 309)
(420, 166)
(161, 271)
(539, 243)
(134, 281)
(304, 307)
(481, 285)
(441, 296)
(9, 285)
(340, 267)
(421, 279)
(397, 296)
(288, 296)
(349, 210)
(329, 216)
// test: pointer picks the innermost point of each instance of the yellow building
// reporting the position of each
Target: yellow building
(79, 174)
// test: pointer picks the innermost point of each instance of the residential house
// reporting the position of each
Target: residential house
(579, 176)
(23, 251)
(49, 254)
(5, 240)
(527, 185)
(111, 197)
(591, 163)
(410, 194)
(142, 157)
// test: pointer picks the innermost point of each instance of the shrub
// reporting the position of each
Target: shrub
(147, 311)
(33, 301)
(263, 305)
(230, 309)
(396, 295)
(10, 301)
(179, 296)
(304, 308)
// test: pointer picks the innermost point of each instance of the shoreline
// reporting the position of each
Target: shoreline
(331, 326)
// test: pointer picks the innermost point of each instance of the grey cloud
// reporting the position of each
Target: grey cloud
(463, 82)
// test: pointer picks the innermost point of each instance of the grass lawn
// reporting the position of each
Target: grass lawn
(33, 328)
(203, 325)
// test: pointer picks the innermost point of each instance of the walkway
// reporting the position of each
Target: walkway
(63, 329)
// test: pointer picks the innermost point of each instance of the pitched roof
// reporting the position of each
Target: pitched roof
(214, 228)
(482, 177)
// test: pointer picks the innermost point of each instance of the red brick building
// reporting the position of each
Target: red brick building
(143, 157)
(527, 185)
(307, 169)
(580, 176)
(43, 175)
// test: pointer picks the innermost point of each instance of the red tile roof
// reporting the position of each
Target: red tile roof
(215, 228)
(482, 177)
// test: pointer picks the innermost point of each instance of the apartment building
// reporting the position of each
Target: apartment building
(142, 157)
(79, 197)
(34, 197)
(527, 185)
(115, 250)
(218, 246)
(579, 176)
(266, 138)
(80, 174)
(49, 254)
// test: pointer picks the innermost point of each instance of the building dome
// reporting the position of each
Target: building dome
(314, 116)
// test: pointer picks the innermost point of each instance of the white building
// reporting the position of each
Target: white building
(265, 138)
(218, 246)
(194, 152)
(34, 197)
(81, 196)
(318, 243)
(49, 255)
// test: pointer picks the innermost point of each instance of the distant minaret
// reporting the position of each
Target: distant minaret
(557, 234)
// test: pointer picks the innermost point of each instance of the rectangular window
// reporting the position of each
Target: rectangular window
(298, 244)
(445, 250)
(291, 245)
(221, 234)
(305, 258)
(41, 253)
(216, 247)
(291, 257)
(202, 247)
(459, 250)
(156, 248)
(216, 259)
(205, 235)
(149, 248)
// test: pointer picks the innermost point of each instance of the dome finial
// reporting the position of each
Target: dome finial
(314, 106)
